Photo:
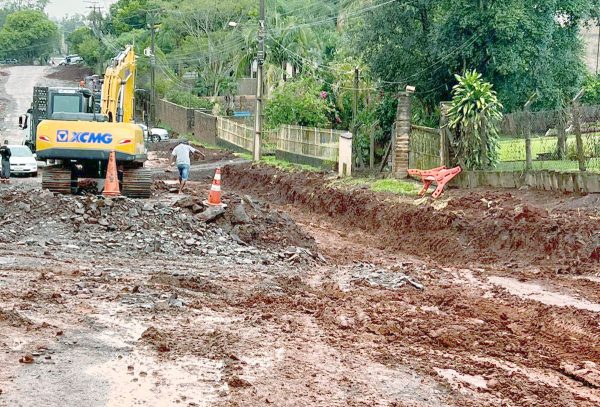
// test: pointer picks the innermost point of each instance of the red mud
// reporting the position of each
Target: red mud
(484, 227)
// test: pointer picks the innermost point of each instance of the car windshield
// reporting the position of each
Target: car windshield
(20, 151)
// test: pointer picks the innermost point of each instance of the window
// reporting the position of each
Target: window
(66, 103)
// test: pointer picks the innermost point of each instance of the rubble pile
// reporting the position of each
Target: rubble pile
(249, 221)
(167, 225)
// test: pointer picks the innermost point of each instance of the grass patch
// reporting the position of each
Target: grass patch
(280, 164)
(389, 185)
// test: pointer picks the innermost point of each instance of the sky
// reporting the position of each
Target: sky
(59, 8)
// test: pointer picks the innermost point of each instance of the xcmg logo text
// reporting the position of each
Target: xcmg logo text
(62, 136)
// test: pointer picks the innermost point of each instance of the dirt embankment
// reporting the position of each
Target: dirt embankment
(481, 227)
(70, 73)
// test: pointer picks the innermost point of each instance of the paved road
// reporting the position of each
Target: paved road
(18, 89)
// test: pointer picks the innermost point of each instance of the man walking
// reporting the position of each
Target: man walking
(5, 154)
(181, 157)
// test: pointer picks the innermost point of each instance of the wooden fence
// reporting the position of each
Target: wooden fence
(235, 134)
(314, 143)
(424, 148)
(305, 145)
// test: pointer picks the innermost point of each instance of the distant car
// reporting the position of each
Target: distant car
(72, 60)
(22, 160)
(157, 134)
(12, 61)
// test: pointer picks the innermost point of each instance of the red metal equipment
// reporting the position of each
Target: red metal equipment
(440, 175)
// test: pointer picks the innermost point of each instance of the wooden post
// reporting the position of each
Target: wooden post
(528, 157)
(577, 128)
(372, 147)
(444, 139)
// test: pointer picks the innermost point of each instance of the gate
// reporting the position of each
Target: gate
(424, 148)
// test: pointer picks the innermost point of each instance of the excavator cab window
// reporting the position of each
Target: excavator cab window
(67, 103)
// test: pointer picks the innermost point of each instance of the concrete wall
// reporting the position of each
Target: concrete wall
(544, 180)
(205, 127)
(173, 115)
(187, 121)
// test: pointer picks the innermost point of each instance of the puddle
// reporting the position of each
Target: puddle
(138, 379)
(536, 292)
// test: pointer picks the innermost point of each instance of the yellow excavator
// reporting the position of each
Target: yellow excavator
(75, 140)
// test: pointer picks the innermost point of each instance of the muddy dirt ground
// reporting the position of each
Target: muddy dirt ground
(297, 294)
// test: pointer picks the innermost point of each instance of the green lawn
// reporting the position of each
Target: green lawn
(512, 155)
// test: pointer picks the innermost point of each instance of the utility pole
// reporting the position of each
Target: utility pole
(598, 50)
(355, 98)
(259, 83)
(95, 26)
(150, 18)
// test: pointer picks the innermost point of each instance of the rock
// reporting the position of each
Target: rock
(197, 208)
(238, 382)
(24, 207)
(174, 301)
(28, 359)
(103, 222)
(190, 242)
(186, 202)
(240, 215)
(211, 213)
(148, 207)
(133, 213)
(79, 211)
(161, 305)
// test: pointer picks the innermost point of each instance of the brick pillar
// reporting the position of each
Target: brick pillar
(402, 137)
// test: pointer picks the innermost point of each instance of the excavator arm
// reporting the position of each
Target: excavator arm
(118, 89)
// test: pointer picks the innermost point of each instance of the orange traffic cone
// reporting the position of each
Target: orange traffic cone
(214, 196)
(111, 185)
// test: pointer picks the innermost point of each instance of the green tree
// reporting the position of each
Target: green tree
(474, 117)
(28, 35)
(298, 102)
(519, 46)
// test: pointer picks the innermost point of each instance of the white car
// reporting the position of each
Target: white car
(158, 134)
(22, 160)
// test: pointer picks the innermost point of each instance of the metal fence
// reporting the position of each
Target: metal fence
(424, 148)
(552, 139)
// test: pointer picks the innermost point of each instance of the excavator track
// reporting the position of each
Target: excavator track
(57, 179)
(137, 183)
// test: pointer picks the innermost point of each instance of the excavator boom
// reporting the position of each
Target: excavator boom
(118, 90)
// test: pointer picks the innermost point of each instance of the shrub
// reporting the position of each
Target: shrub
(298, 102)
(474, 117)
(188, 99)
